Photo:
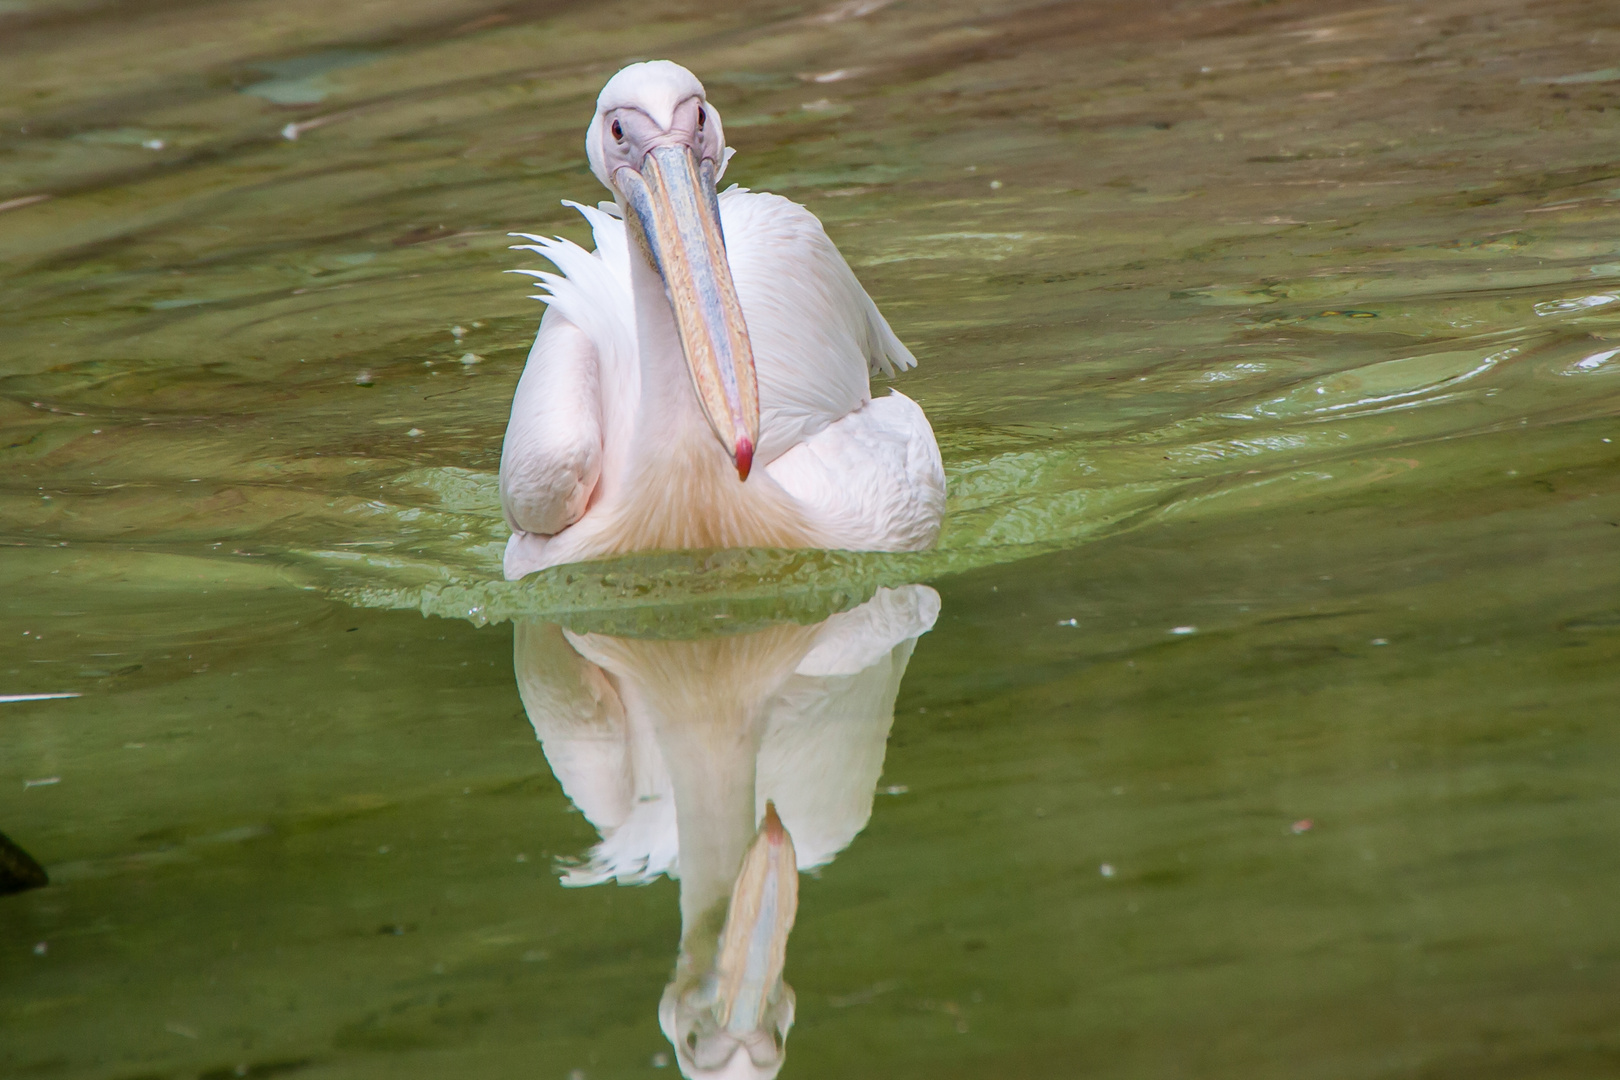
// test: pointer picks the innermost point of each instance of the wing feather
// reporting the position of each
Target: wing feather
(552, 456)
(581, 365)
(817, 336)
(873, 479)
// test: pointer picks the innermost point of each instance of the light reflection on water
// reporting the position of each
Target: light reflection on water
(1271, 350)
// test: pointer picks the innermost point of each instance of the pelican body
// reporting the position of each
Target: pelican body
(701, 379)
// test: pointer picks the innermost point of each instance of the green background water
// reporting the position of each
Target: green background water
(1295, 323)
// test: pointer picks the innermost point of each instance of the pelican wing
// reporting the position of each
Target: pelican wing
(874, 477)
(817, 337)
(582, 360)
(552, 456)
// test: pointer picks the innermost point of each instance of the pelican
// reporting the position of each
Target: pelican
(733, 762)
(702, 378)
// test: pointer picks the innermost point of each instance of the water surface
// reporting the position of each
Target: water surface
(1266, 726)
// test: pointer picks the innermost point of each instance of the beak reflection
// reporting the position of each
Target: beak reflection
(736, 1020)
(753, 945)
(677, 221)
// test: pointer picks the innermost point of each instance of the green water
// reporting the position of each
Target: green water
(1292, 326)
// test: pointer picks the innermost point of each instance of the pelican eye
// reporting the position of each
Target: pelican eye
(618, 132)
(703, 118)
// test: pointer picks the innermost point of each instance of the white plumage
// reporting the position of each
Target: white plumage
(611, 446)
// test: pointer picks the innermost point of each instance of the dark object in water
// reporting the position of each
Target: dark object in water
(18, 870)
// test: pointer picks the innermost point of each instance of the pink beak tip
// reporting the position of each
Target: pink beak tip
(772, 825)
(745, 458)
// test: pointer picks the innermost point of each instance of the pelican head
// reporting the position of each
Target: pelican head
(657, 144)
(731, 1021)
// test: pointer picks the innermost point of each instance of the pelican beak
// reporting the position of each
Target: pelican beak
(677, 222)
(753, 945)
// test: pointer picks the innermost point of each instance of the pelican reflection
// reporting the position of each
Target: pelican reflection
(731, 763)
